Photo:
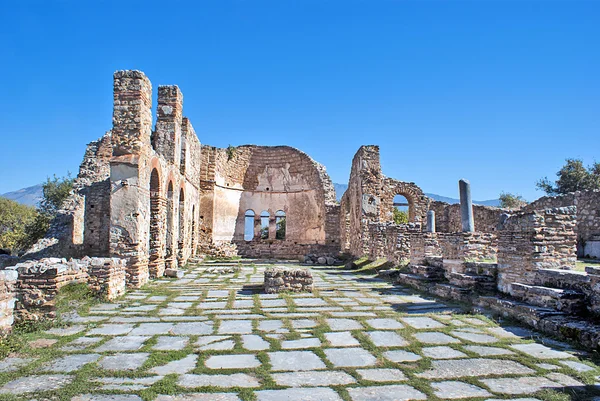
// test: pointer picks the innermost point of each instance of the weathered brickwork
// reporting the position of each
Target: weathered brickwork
(39, 281)
(370, 200)
(295, 280)
(468, 246)
(447, 217)
(529, 241)
(588, 217)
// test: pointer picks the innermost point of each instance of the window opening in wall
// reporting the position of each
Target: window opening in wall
(153, 237)
(401, 209)
(249, 225)
(169, 235)
(280, 224)
(181, 236)
(264, 224)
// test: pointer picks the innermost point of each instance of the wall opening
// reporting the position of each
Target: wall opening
(193, 239)
(280, 224)
(169, 234)
(181, 239)
(249, 225)
(264, 224)
(402, 210)
(154, 250)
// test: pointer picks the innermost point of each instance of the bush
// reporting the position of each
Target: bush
(400, 216)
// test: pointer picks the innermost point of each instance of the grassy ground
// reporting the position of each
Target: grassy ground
(582, 263)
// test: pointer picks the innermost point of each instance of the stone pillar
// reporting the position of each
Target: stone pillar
(129, 180)
(466, 206)
(132, 112)
(431, 221)
(169, 119)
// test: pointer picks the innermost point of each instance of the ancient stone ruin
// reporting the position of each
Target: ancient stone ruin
(147, 200)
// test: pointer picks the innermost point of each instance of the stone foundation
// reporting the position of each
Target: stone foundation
(295, 280)
(40, 281)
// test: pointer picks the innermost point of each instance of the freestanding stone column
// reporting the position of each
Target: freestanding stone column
(431, 221)
(466, 206)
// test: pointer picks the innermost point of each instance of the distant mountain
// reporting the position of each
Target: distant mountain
(32, 195)
(29, 196)
(341, 188)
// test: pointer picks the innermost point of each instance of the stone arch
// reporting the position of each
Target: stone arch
(415, 198)
(155, 242)
(194, 240)
(249, 224)
(280, 224)
(169, 232)
(181, 224)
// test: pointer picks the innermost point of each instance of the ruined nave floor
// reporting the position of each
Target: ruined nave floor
(216, 337)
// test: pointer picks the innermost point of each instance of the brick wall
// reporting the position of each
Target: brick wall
(539, 239)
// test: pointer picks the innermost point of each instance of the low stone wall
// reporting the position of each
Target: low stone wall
(283, 249)
(295, 280)
(107, 277)
(529, 241)
(40, 280)
(467, 246)
(8, 281)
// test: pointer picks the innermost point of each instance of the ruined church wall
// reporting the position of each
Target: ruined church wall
(269, 179)
(418, 202)
(82, 225)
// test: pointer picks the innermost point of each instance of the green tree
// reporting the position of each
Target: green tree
(280, 228)
(511, 201)
(55, 191)
(14, 217)
(400, 216)
(573, 176)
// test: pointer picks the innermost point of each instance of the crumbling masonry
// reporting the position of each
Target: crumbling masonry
(148, 199)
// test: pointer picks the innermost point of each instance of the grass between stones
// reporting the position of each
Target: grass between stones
(362, 287)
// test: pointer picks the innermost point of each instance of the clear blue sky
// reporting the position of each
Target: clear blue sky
(499, 92)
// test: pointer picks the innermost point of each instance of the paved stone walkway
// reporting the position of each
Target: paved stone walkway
(211, 336)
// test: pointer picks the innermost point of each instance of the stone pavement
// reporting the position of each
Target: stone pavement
(211, 336)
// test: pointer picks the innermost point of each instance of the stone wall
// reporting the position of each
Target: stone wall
(588, 217)
(260, 179)
(448, 220)
(467, 246)
(83, 224)
(529, 241)
(369, 200)
(39, 281)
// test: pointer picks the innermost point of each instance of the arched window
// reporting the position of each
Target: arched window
(401, 210)
(280, 224)
(264, 224)
(249, 225)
